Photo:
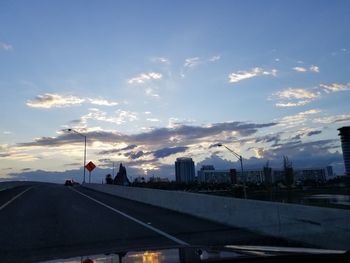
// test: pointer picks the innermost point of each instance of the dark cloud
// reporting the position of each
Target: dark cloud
(302, 154)
(25, 169)
(158, 136)
(314, 133)
(77, 121)
(129, 147)
(169, 151)
(306, 154)
(134, 155)
(269, 138)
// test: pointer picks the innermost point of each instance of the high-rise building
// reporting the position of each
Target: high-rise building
(344, 134)
(184, 170)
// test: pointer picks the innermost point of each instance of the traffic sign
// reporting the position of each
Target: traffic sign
(90, 166)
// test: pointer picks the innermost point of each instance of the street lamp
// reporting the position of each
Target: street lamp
(72, 130)
(240, 158)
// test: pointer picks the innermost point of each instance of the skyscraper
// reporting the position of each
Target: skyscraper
(344, 134)
(184, 170)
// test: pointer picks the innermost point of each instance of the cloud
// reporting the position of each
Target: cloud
(335, 87)
(333, 119)
(151, 92)
(296, 93)
(301, 150)
(153, 120)
(275, 138)
(49, 100)
(134, 155)
(145, 77)
(312, 133)
(161, 153)
(159, 136)
(191, 62)
(291, 104)
(293, 97)
(300, 69)
(255, 72)
(162, 60)
(315, 69)
(215, 58)
(312, 68)
(298, 118)
(129, 147)
(102, 102)
(119, 116)
(5, 46)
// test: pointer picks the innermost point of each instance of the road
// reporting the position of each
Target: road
(45, 221)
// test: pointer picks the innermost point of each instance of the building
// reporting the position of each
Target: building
(312, 174)
(344, 134)
(158, 180)
(208, 174)
(231, 176)
(184, 170)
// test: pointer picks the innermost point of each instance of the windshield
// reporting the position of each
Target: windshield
(147, 125)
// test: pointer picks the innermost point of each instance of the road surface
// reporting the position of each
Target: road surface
(45, 221)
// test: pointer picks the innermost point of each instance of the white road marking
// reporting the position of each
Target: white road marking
(179, 241)
(14, 198)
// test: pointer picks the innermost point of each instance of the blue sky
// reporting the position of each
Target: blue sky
(149, 81)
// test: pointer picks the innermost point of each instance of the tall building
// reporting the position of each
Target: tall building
(344, 134)
(184, 170)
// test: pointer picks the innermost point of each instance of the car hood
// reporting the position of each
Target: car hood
(193, 254)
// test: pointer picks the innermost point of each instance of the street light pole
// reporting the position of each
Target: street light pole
(72, 130)
(240, 158)
(84, 157)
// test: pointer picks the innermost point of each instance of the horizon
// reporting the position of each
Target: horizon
(148, 82)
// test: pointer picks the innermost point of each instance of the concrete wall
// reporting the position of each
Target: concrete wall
(10, 184)
(322, 227)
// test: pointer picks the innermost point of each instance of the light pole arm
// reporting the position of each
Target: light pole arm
(239, 157)
(72, 130)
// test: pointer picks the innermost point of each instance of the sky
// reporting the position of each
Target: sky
(150, 81)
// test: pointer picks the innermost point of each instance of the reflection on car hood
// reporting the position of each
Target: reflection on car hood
(193, 254)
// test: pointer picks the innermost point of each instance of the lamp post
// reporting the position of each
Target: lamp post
(240, 158)
(72, 130)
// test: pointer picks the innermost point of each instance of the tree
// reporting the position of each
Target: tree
(288, 172)
(267, 175)
(109, 179)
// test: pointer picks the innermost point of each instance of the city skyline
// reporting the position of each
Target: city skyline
(148, 82)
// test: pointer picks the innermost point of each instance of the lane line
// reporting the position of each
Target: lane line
(14, 198)
(179, 241)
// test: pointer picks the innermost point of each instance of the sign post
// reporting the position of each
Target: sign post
(90, 167)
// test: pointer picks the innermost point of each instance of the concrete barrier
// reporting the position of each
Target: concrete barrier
(321, 227)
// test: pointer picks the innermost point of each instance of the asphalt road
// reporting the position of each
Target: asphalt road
(46, 221)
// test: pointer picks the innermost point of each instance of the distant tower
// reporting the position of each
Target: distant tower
(184, 170)
(121, 177)
(344, 134)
